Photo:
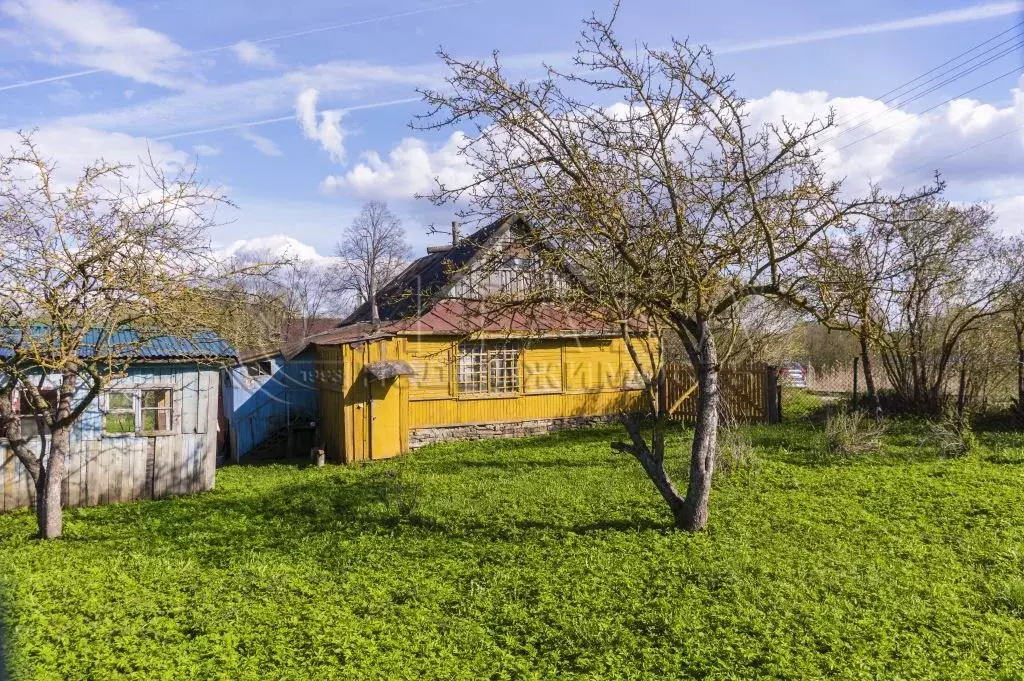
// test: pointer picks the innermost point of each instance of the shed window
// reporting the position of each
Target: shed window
(156, 410)
(259, 369)
(488, 368)
(29, 423)
(120, 414)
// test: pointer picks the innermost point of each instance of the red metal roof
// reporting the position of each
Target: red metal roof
(452, 316)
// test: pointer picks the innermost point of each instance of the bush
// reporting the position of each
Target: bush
(952, 438)
(850, 433)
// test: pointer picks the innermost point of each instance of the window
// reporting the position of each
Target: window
(259, 369)
(156, 410)
(147, 412)
(488, 368)
(29, 422)
(120, 414)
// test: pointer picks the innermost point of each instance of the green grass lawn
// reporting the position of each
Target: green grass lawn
(542, 558)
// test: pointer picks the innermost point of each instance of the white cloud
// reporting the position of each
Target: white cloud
(410, 169)
(72, 148)
(327, 130)
(98, 35)
(254, 55)
(65, 94)
(978, 147)
(276, 246)
(265, 146)
(203, 107)
(206, 150)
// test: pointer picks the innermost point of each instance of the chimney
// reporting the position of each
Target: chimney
(455, 233)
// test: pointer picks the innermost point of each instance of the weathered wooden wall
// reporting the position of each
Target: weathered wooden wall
(103, 468)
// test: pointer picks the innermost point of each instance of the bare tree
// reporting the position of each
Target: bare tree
(297, 292)
(665, 204)
(949, 273)
(89, 274)
(373, 250)
(1016, 305)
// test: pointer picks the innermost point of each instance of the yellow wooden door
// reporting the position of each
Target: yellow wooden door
(384, 412)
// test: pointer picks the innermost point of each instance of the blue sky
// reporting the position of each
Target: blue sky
(300, 110)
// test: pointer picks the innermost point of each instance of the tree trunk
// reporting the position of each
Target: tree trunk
(653, 461)
(694, 515)
(869, 378)
(49, 512)
(371, 291)
(1020, 372)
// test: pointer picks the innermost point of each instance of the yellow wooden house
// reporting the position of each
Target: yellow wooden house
(441, 366)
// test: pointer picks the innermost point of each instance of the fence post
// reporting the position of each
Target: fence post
(772, 395)
(856, 361)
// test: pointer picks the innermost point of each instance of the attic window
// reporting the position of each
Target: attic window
(259, 369)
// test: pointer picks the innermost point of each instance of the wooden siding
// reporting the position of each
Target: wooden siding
(349, 418)
(560, 378)
(105, 469)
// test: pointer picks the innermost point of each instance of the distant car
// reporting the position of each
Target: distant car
(794, 375)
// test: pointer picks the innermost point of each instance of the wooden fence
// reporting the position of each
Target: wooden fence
(749, 391)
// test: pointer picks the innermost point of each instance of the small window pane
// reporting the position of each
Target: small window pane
(119, 423)
(156, 420)
(156, 399)
(156, 410)
(119, 401)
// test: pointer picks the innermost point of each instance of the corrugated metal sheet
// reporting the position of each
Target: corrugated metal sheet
(130, 342)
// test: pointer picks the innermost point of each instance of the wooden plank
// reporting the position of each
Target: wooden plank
(92, 477)
(7, 501)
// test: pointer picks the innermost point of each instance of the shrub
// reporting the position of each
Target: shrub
(953, 438)
(850, 433)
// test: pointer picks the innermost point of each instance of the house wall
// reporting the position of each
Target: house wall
(257, 407)
(349, 419)
(565, 383)
(104, 468)
(561, 378)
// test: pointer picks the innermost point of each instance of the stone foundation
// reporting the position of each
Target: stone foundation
(486, 431)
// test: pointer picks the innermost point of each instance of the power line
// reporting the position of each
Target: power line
(1012, 71)
(887, 100)
(972, 147)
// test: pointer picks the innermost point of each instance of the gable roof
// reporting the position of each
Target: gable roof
(420, 285)
(419, 301)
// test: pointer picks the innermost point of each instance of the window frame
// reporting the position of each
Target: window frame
(138, 411)
(485, 371)
(141, 423)
(108, 411)
(261, 371)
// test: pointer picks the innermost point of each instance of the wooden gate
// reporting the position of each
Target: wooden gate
(749, 392)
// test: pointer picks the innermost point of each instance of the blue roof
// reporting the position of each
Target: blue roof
(129, 342)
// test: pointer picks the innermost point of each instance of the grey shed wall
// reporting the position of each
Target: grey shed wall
(104, 469)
